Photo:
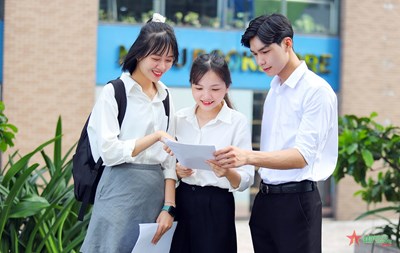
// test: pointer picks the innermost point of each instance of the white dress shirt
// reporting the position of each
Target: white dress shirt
(301, 113)
(143, 116)
(230, 127)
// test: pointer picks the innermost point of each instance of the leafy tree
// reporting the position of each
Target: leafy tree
(365, 146)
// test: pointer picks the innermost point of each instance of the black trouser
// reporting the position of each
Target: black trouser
(287, 222)
(206, 220)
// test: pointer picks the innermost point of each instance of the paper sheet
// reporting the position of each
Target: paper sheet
(192, 156)
(146, 234)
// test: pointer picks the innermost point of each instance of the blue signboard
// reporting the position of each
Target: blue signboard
(322, 55)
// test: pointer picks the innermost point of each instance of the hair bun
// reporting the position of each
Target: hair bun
(158, 18)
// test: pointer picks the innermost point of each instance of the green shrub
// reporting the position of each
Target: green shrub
(7, 131)
(38, 211)
(364, 146)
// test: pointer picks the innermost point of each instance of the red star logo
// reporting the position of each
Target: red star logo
(354, 238)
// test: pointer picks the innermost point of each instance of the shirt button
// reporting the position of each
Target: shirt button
(193, 188)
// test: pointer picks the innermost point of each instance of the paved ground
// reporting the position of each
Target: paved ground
(334, 235)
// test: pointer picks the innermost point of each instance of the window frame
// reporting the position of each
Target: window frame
(226, 17)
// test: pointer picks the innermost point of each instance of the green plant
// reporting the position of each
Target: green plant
(38, 211)
(192, 19)
(178, 17)
(146, 16)
(364, 146)
(128, 19)
(102, 15)
(7, 131)
(306, 24)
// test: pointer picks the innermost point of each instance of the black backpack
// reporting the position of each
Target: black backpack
(85, 171)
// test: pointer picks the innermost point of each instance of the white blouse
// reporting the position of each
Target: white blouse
(143, 116)
(230, 127)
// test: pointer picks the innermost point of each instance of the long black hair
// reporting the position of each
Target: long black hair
(211, 62)
(154, 38)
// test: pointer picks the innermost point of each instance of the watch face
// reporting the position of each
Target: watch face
(172, 211)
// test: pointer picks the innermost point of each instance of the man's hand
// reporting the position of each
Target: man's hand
(231, 157)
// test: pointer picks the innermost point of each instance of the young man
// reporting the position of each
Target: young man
(299, 143)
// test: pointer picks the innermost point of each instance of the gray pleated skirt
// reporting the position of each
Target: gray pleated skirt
(127, 194)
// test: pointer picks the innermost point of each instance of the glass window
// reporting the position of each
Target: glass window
(266, 7)
(309, 17)
(258, 105)
(1, 9)
(127, 11)
(192, 12)
(214, 13)
(238, 13)
(306, 16)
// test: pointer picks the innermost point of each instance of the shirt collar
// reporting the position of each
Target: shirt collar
(131, 84)
(225, 115)
(293, 79)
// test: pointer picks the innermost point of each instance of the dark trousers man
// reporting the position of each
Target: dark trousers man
(287, 218)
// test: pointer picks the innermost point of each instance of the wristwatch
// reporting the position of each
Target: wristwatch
(170, 210)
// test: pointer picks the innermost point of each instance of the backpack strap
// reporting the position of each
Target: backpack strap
(166, 107)
(120, 97)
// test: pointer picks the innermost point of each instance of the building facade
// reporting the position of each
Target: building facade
(57, 55)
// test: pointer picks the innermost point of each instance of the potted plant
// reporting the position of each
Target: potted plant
(366, 146)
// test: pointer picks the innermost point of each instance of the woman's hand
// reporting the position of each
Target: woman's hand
(219, 171)
(230, 173)
(148, 140)
(162, 135)
(168, 150)
(164, 221)
(182, 171)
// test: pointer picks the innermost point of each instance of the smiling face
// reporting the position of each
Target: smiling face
(273, 58)
(209, 92)
(152, 67)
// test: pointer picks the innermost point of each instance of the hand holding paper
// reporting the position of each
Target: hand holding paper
(166, 148)
(182, 171)
(146, 233)
(192, 156)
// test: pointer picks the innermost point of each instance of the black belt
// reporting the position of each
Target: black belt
(292, 187)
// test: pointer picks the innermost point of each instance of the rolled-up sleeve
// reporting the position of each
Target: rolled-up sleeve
(315, 124)
(169, 168)
(246, 178)
(242, 139)
(129, 146)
